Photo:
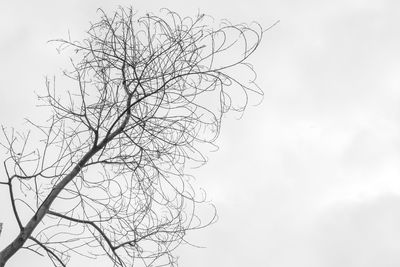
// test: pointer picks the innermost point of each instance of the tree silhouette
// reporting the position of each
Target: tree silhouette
(107, 174)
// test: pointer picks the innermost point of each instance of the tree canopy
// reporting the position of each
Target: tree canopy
(107, 176)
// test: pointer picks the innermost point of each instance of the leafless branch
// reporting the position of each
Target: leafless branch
(106, 175)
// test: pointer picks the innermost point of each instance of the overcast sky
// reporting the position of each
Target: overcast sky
(310, 178)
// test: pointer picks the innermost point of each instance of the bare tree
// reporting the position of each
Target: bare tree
(107, 173)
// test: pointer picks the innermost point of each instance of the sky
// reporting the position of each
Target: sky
(309, 178)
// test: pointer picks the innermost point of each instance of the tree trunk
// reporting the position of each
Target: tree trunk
(27, 231)
(12, 248)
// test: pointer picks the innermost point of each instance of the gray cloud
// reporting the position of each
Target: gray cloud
(363, 233)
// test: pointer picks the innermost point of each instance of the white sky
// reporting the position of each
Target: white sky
(311, 177)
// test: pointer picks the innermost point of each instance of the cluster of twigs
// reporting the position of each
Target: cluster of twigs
(108, 176)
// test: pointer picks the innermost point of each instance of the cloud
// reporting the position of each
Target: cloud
(360, 234)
